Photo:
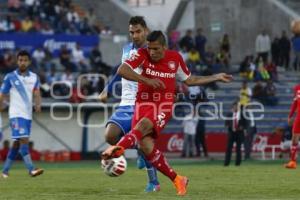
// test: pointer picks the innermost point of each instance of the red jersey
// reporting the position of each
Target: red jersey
(296, 101)
(168, 69)
(157, 104)
(296, 106)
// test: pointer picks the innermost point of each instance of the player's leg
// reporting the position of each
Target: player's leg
(130, 140)
(158, 160)
(239, 139)
(143, 128)
(22, 131)
(140, 162)
(228, 153)
(153, 184)
(15, 135)
(197, 143)
(203, 143)
(24, 151)
(112, 133)
(292, 164)
(120, 124)
(12, 154)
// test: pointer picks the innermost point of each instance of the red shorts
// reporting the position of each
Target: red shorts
(296, 126)
(158, 114)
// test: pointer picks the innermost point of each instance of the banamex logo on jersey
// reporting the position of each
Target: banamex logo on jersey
(175, 143)
(134, 56)
(172, 65)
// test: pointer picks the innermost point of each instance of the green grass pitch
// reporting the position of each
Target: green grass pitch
(208, 180)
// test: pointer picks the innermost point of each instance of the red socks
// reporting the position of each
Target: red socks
(157, 159)
(131, 139)
(294, 152)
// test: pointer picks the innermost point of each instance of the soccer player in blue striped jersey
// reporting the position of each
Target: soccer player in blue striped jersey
(23, 88)
(120, 122)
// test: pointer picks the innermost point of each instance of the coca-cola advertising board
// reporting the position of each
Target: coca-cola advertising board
(216, 142)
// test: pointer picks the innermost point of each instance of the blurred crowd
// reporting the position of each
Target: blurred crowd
(50, 17)
(62, 16)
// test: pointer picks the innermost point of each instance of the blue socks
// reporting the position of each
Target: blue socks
(12, 154)
(24, 151)
(152, 175)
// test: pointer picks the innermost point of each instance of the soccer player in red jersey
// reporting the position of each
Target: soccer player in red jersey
(292, 164)
(155, 99)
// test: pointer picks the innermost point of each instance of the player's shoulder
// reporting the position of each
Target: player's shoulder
(172, 53)
(9, 75)
(33, 75)
(141, 52)
(297, 87)
(128, 46)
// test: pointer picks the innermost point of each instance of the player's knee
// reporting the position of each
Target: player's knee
(24, 149)
(146, 149)
(13, 153)
(110, 138)
(112, 134)
(295, 140)
(146, 145)
(16, 144)
(145, 126)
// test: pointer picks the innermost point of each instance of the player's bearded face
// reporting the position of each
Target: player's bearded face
(23, 62)
(156, 50)
(137, 34)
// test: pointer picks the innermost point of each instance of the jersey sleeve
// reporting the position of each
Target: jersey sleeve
(136, 59)
(183, 72)
(124, 54)
(111, 84)
(37, 84)
(293, 108)
(294, 103)
(6, 85)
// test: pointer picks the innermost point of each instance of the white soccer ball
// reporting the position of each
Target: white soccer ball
(114, 167)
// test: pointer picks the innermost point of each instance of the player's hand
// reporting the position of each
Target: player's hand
(37, 108)
(155, 83)
(224, 77)
(289, 121)
(103, 97)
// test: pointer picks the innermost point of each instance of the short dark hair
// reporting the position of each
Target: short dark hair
(138, 20)
(23, 53)
(157, 36)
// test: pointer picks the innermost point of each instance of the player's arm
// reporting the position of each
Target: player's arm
(136, 60)
(103, 96)
(2, 106)
(37, 96)
(4, 91)
(127, 72)
(292, 110)
(37, 100)
(202, 80)
(184, 75)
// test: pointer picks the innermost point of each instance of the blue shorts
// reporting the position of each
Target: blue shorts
(20, 127)
(122, 118)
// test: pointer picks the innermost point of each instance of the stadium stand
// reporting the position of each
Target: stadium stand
(77, 18)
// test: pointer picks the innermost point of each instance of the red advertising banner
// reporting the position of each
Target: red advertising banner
(216, 142)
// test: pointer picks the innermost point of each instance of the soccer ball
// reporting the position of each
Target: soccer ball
(114, 167)
(295, 26)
